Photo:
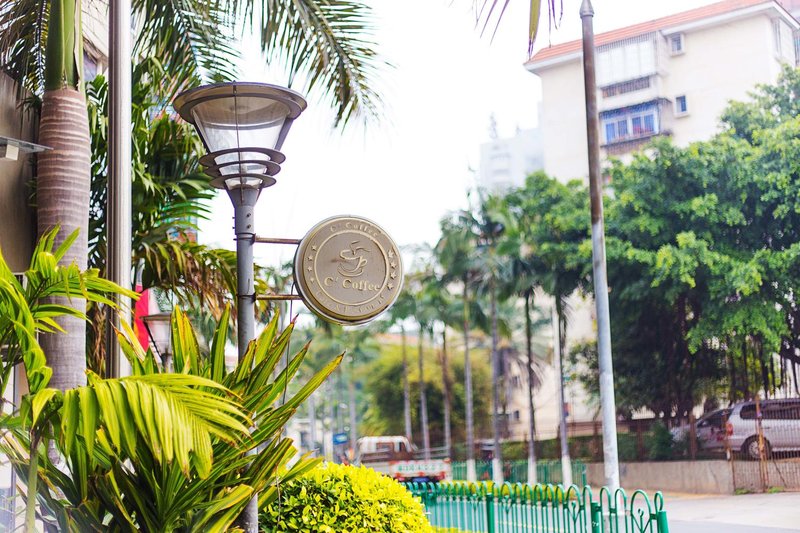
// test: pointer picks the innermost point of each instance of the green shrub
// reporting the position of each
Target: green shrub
(338, 498)
(660, 442)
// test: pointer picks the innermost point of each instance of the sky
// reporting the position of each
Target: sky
(406, 170)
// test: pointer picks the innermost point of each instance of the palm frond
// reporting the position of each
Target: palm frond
(488, 12)
(327, 42)
(192, 38)
(23, 33)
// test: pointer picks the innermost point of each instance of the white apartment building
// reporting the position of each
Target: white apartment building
(504, 163)
(670, 76)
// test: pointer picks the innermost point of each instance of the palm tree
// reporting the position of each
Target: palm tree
(487, 268)
(454, 252)
(41, 46)
(424, 315)
(522, 281)
(402, 309)
(551, 243)
(438, 297)
(107, 420)
(62, 185)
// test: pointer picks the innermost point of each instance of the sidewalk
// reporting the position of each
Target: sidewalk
(747, 513)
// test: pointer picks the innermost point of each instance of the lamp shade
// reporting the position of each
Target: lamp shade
(232, 116)
(159, 331)
(243, 126)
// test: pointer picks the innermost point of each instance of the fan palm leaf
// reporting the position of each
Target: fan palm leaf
(326, 42)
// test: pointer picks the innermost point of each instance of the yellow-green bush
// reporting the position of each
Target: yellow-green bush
(337, 498)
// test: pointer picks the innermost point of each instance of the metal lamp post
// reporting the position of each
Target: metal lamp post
(243, 126)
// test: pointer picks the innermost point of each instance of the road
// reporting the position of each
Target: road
(747, 513)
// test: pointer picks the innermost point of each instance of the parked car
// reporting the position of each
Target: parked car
(709, 429)
(780, 427)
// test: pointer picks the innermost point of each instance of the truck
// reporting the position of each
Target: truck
(399, 459)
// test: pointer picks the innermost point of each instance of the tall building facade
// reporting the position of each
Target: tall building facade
(669, 76)
(505, 162)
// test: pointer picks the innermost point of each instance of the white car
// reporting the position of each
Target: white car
(780, 427)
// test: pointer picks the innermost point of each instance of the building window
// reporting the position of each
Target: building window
(625, 60)
(784, 42)
(626, 87)
(629, 123)
(680, 105)
(676, 44)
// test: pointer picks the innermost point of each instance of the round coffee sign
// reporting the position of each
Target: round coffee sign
(348, 270)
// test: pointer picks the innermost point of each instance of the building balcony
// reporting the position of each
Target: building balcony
(624, 129)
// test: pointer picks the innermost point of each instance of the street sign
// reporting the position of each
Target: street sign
(340, 438)
(348, 270)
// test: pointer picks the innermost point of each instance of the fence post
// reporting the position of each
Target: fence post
(661, 521)
(490, 511)
(597, 517)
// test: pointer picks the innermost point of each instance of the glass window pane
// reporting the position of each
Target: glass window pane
(610, 134)
(622, 128)
(748, 412)
(649, 123)
(636, 123)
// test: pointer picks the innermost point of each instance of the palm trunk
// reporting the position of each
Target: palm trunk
(423, 403)
(566, 462)
(406, 389)
(470, 429)
(63, 183)
(448, 438)
(468, 414)
(497, 453)
(531, 408)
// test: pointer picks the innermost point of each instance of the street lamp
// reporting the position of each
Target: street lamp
(243, 126)
(159, 333)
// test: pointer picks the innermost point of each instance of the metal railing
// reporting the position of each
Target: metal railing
(518, 508)
(547, 472)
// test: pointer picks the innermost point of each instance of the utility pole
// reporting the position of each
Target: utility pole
(607, 403)
(118, 207)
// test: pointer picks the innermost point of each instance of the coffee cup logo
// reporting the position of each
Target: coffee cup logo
(353, 263)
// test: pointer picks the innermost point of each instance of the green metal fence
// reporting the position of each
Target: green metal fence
(518, 508)
(547, 472)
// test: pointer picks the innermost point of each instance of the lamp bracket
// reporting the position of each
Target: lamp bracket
(277, 240)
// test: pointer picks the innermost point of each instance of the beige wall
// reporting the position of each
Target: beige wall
(17, 228)
(563, 122)
(720, 64)
(580, 328)
(699, 477)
